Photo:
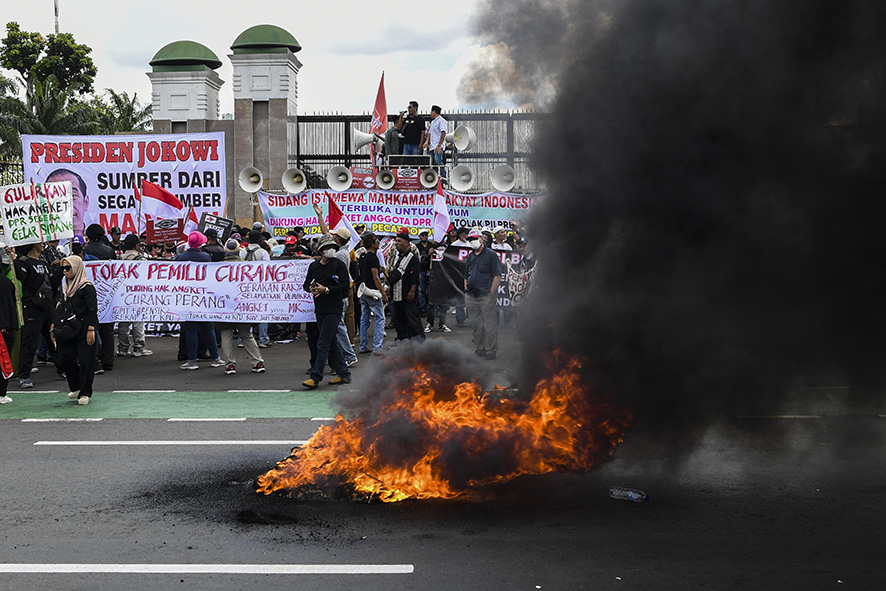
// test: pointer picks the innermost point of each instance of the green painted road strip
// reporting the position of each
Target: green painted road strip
(166, 405)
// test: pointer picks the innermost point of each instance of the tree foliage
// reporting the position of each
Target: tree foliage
(48, 109)
(118, 112)
(36, 58)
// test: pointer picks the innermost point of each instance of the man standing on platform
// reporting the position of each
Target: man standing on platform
(413, 130)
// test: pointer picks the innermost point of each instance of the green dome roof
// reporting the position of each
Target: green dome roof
(184, 56)
(265, 39)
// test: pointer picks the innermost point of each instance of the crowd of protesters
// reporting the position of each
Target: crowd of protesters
(360, 289)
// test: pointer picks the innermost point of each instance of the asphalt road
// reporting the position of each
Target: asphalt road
(788, 501)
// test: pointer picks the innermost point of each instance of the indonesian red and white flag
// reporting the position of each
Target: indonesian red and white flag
(441, 214)
(191, 221)
(380, 113)
(159, 203)
(337, 220)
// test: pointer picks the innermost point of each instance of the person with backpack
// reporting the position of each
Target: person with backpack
(37, 304)
(78, 310)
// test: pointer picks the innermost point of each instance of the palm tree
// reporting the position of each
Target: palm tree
(123, 114)
(8, 135)
(49, 109)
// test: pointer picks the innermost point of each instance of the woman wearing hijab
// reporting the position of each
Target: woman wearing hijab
(77, 356)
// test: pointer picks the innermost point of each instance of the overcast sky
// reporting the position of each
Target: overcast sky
(423, 47)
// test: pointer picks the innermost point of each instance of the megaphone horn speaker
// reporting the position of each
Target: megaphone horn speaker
(503, 178)
(294, 180)
(360, 139)
(429, 178)
(250, 179)
(464, 137)
(461, 178)
(385, 180)
(339, 178)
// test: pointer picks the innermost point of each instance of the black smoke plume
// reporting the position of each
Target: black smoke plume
(715, 169)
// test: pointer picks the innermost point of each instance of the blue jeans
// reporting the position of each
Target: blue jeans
(344, 341)
(263, 338)
(328, 349)
(191, 329)
(411, 150)
(437, 160)
(377, 308)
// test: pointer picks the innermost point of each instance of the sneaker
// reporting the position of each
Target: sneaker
(310, 383)
(41, 362)
(5, 400)
(230, 369)
(364, 351)
(142, 353)
(263, 345)
(83, 400)
(378, 353)
(189, 365)
(490, 355)
(445, 328)
(216, 363)
(74, 395)
(123, 353)
(240, 345)
(429, 328)
(480, 353)
(259, 367)
(34, 370)
(99, 371)
(352, 362)
(25, 383)
(338, 380)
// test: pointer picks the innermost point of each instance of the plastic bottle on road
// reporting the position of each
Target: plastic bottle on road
(628, 494)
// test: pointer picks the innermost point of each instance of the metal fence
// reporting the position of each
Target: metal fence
(324, 141)
(11, 171)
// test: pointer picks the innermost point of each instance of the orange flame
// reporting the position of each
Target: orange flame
(430, 444)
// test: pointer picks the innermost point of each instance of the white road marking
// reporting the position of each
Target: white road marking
(251, 391)
(142, 391)
(39, 391)
(779, 416)
(213, 569)
(61, 420)
(198, 420)
(181, 442)
(323, 419)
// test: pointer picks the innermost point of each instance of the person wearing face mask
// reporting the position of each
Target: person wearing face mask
(482, 276)
(327, 280)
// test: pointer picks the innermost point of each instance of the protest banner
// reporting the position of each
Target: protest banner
(448, 272)
(383, 212)
(221, 225)
(36, 212)
(104, 171)
(161, 231)
(178, 291)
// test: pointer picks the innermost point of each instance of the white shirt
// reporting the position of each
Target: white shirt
(435, 132)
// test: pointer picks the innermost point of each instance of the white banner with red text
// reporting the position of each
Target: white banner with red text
(172, 291)
(383, 212)
(104, 169)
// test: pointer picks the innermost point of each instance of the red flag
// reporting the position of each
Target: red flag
(160, 203)
(337, 220)
(380, 113)
(441, 214)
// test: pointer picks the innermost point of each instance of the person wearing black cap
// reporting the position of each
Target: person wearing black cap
(482, 277)
(97, 246)
(327, 280)
(116, 244)
(212, 246)
(403, 277)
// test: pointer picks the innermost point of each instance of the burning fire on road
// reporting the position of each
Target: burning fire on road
(437, 436)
